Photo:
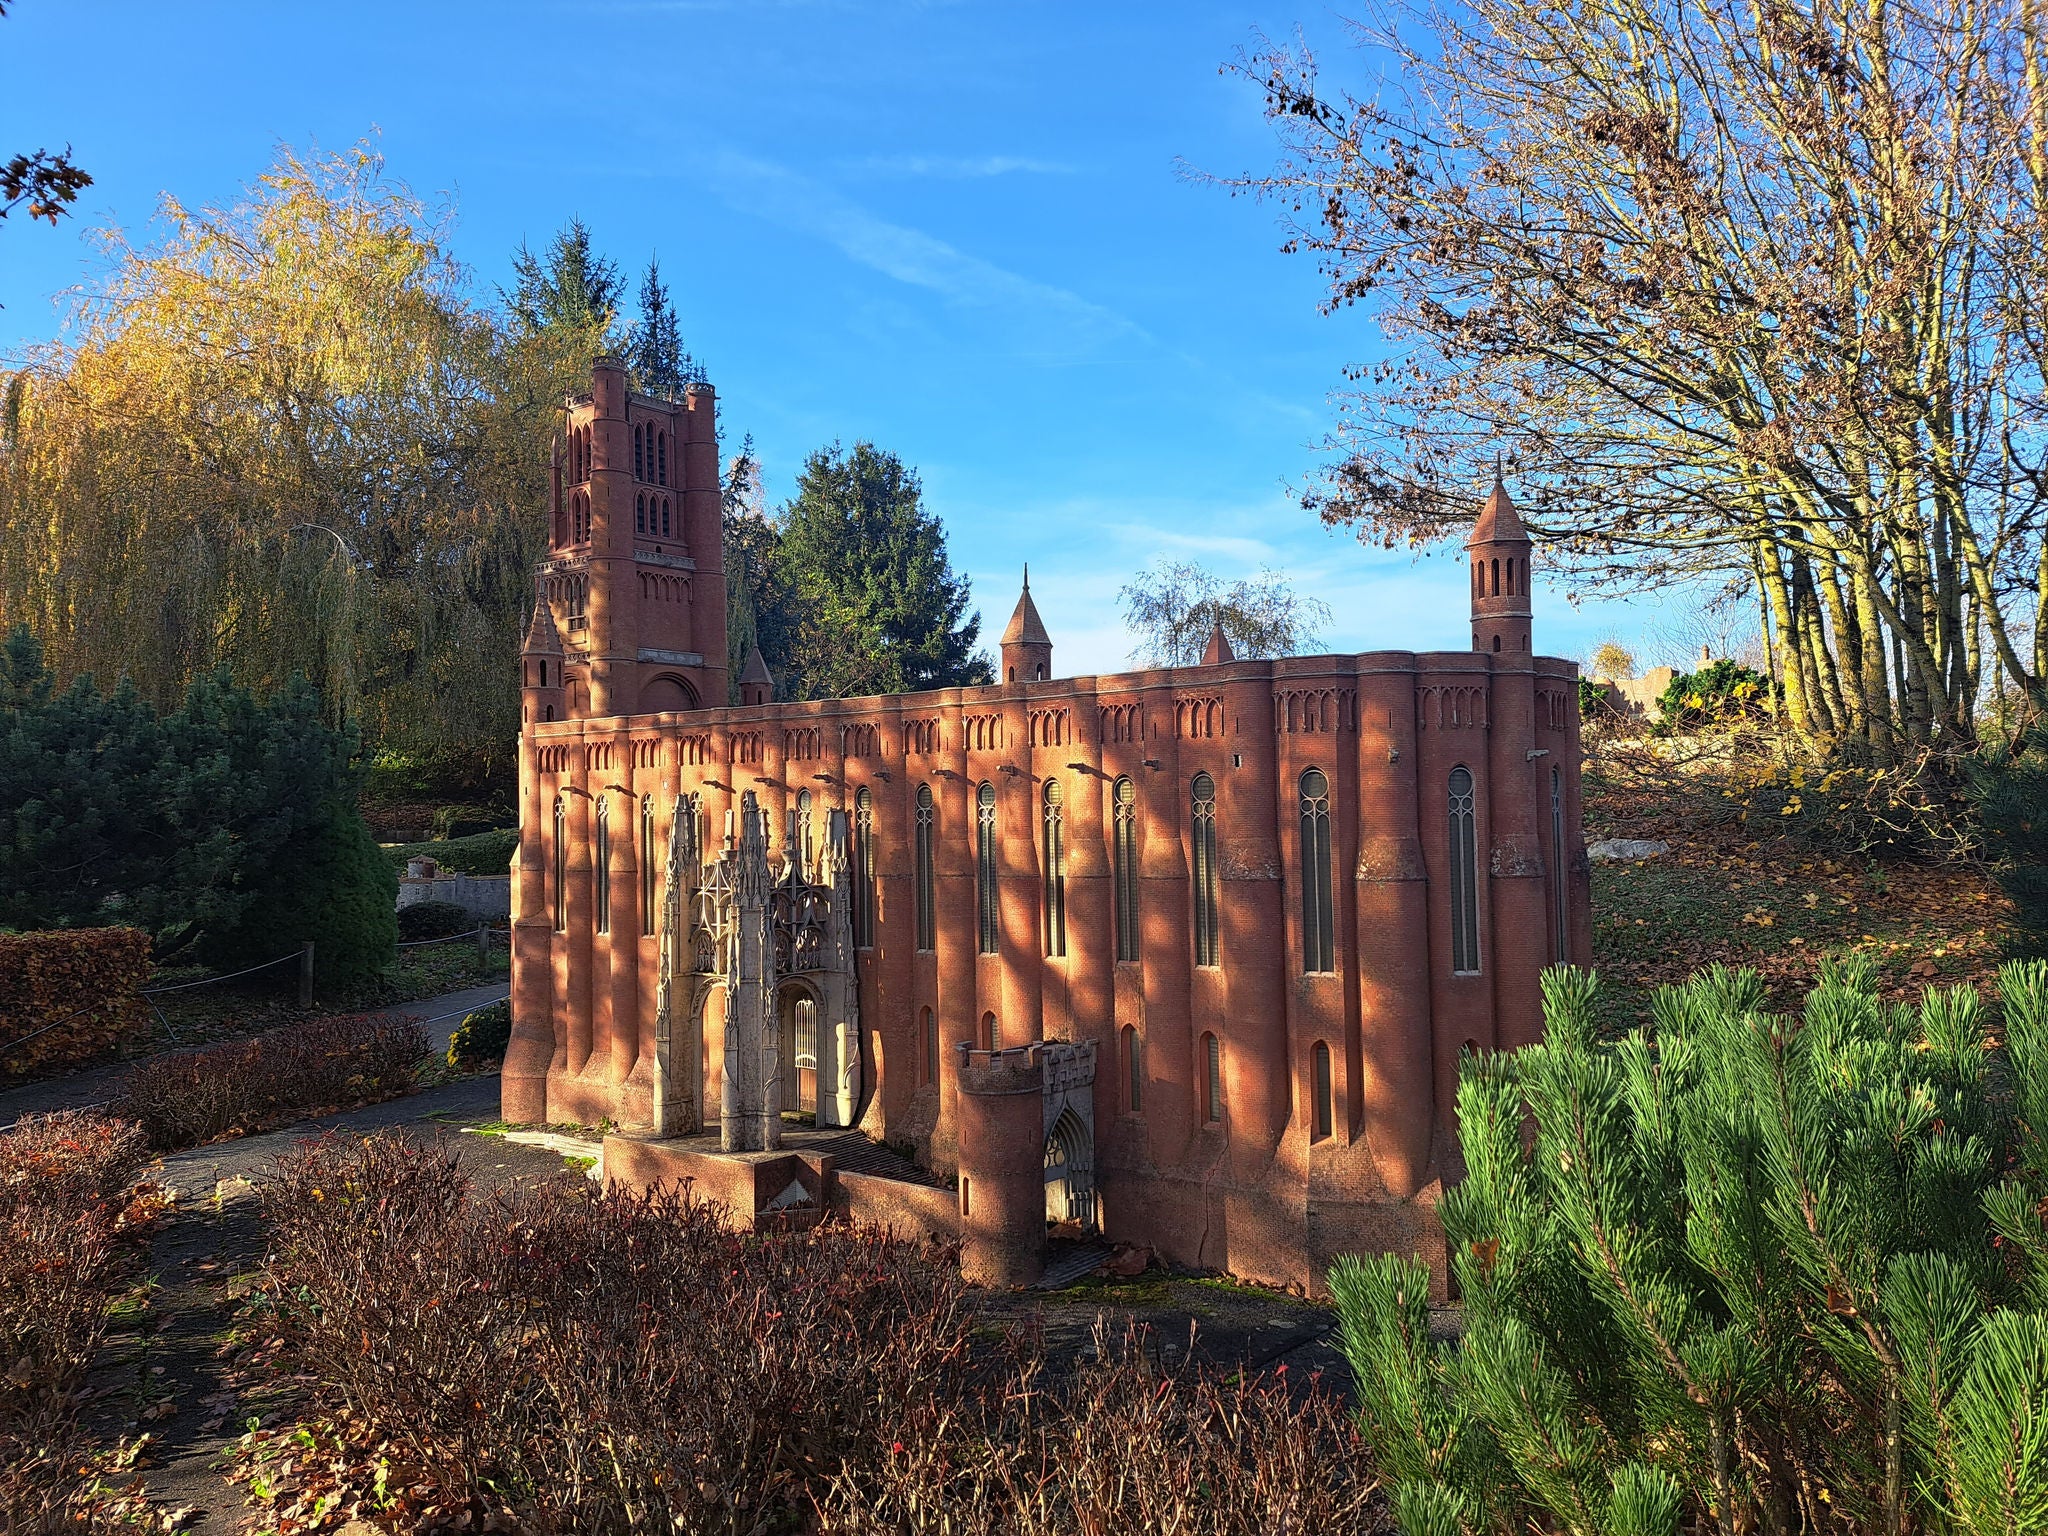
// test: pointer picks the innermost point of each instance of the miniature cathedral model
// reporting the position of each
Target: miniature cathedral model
(1186, 956)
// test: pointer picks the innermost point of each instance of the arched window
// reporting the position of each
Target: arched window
(601, 866)
(985, 893)
(1496, 642)
(1212, 1078)
(991, 1033)
(1563, 923)
(1202, 816)
(1318, 914)
(1134, 1068)
(1464, 875)
(864, 869)
(1325, 1091)
(928, 1038)
(639, 458)
(661, 457)
(650, 887)
(1496, 578)
(927, 885)
(561, 863)
(1124, 859)
(547, 712)
(640, 513)
(1055, 865)
(664, 517)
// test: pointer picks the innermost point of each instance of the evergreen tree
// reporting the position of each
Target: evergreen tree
(877, 607)
(661, 364)
(227, 828)
(1747, 1273)
(571, 287)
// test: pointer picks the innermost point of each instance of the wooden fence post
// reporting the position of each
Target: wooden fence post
(306, 974)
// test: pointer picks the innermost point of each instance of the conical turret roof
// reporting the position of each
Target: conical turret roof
(1499, 522)
(541, 635)
(756, 669)
(1025, 626)
(1218, 650)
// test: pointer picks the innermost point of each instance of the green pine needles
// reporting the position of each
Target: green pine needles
(1739, 1273)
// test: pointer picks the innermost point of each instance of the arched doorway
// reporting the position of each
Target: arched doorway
(711, 1053)
(798, 1012)
(1070, 1172)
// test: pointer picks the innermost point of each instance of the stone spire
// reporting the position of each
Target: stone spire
(1218, 650)
(1027, 648)
(1500, 548)
(751, 1118)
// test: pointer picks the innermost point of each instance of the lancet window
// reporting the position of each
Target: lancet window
(1054, 861)
(601, 867)
(1318, 915)
(1124, 862)
(1202, 841)
(986, 894)
(864, 869)
(927, 884)
(1464, 883)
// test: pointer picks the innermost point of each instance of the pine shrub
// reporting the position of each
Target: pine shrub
(433, 920)
(482, 1036)
(1722, 693)
(1744, 1273)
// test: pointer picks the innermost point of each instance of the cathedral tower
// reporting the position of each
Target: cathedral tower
(1027, 648)
(635, 573)
(1500, 576)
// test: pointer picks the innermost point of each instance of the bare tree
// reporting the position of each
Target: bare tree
(1173, 606)
(1746, 290)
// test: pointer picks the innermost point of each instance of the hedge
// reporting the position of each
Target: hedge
(69, 995)
(484, 853)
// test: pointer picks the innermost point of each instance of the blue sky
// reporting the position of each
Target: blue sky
(958, 229)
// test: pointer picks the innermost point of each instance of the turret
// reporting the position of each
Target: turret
(1218, 650)
(1027, 648)
(540, 668)
(757, 683)
(1500, 576)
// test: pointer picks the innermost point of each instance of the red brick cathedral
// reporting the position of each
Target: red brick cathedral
(1184, 956)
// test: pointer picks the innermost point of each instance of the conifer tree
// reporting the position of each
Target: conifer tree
(1742, 1273)
(571, 287)
(661, 364)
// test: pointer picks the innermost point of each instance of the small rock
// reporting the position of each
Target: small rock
(1127, 1263)
(1624, 850)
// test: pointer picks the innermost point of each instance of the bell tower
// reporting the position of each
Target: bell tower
(1500, 549)
(635, 572)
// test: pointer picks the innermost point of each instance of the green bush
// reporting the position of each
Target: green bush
(456, 821)
(1722, 693)
(1747, 1273)
(486, 853)
(482, 1036)
(433, 920)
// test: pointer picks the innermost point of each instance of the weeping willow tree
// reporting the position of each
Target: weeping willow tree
(280, 437)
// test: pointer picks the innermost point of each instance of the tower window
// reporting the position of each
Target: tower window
(561, 863)
(800, 832)
(1464, 875)
(1318, 915)
(661, 457)
(985, 891)
(664, 517)
(1134, 1068)
(928, 1033)
(1212, 1078)
(864, 869)
(1124, 858)
(927, 885)
(543, 671)
(639, 457)
(1055, 859)
(1325, 1091)
(1496, 642)
(601, 867)
(1496, 578)
(639, 514)
(991, 1033)
(1202, 816)
(648, 887)
(1563, 922)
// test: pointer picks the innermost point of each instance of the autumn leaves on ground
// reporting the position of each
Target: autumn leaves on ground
(1735, 891)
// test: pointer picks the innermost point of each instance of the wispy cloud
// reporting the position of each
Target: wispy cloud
(1061, 321)
(952, 167)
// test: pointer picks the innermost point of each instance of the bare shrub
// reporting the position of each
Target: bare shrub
(190, 1098)
(1122, 1447)
(619, 1363)
(62, 1217)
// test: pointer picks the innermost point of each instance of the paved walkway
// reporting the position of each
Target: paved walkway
(95, 1085)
